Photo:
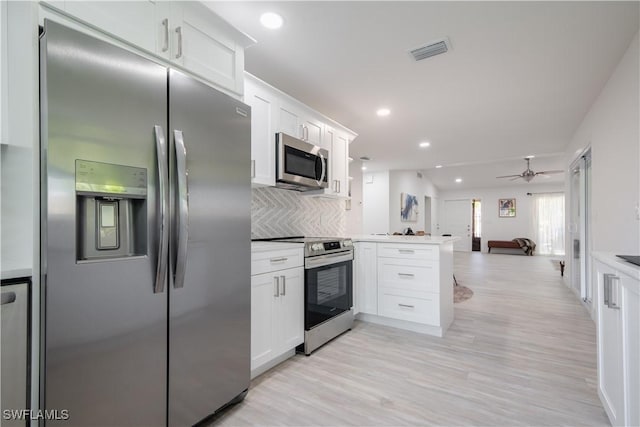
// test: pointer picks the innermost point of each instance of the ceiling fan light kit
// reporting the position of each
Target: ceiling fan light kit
(529, 174)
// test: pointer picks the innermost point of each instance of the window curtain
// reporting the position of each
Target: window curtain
(548, 223)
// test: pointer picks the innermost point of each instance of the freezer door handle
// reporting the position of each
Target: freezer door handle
(163, 246)
(183, 209)
(8, 297)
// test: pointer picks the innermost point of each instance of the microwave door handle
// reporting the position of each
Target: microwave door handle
(183, 209)
(324, 169)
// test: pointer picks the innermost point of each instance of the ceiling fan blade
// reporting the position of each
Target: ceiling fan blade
(510, 176)
(517, 177)
(549, 172)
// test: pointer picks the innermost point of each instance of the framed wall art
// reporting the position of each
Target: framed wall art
(408, 207)
(506, 208)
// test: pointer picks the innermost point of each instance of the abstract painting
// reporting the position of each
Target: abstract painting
(506, 208)
(408, 207)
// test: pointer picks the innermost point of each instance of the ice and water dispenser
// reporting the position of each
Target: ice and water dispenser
(111, 216)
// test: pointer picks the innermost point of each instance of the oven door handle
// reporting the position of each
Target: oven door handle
(322, 260)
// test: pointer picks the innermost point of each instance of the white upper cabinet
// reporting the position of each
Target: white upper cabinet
(207, 45)
(187, 34)
(133, 21)
(312, 131)
(274, 111)
(264, 109)
(289, 120)
(338, 162)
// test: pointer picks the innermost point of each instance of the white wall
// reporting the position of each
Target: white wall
(375, 202)
(611, 129)
(407, 182)
(493, 227)
(381, 200)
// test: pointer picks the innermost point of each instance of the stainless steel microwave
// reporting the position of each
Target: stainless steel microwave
(299, 165)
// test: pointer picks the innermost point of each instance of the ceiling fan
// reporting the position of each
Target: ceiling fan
(528, 174)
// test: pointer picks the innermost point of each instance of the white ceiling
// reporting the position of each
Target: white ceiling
(518, 80)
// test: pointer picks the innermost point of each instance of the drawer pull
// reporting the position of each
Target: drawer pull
(406, 251)
(406, 275)
(406, 305)
(275, 260)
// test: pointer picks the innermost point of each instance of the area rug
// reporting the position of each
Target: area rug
(461, 293)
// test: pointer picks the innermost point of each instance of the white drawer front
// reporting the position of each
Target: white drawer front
(421, 276)
(408, 251)
(420, 310)
(267, 261)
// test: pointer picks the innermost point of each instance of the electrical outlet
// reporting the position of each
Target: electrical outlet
(638, 212)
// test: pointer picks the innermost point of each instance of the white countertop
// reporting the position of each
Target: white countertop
(610, 259)
(269, 246)
(12, 270)
(424, 240)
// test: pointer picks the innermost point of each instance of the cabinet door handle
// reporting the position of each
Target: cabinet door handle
(179, 32)
(406, 275)
(276, 286)
(613, 290)
(283, 292)
(165, 25)
(406, 251)
(274, 260)
(253, 168)
(607, 288)
(406, 305)
(306, 133)
(302, 132)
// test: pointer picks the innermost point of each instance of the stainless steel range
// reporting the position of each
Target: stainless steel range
(328, 289)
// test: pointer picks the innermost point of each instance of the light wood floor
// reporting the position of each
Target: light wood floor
(521, 351)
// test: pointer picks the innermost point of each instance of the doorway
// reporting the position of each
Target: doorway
(457, 222)
(476, 225)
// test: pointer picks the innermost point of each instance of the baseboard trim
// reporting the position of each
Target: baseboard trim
(401, 324)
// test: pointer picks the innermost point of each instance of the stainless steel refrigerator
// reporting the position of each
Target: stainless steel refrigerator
(145, 238)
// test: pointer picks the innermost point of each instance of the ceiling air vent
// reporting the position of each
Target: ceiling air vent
(431, 49)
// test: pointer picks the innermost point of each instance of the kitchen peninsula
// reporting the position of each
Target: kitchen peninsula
(404, 281)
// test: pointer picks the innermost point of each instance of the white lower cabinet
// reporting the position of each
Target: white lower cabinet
(618, 325)
(277, 309)
(404, 285)
(366, 277)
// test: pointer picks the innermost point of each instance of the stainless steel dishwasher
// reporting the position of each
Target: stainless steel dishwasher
(14, 353)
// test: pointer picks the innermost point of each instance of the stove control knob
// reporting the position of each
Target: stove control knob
(347, 243)
(317, 247)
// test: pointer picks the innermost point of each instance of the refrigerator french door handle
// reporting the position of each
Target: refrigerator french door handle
(183, 209)
(163, 187)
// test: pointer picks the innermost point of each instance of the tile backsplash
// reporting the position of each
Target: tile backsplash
(276, 213)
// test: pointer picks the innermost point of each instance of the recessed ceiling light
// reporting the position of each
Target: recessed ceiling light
(271, 20)
(458, 179)
(438, 166)
(364, 168)
(383, 112)
(425, 144)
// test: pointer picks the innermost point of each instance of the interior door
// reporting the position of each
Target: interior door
(457, 222)
(210, 309)
(105, 328)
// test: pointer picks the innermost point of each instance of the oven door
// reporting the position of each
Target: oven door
(328, 288)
